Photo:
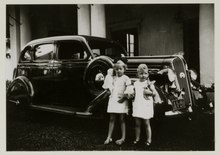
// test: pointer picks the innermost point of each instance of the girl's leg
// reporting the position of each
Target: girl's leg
(137, 129)
(111, 128)
(148, 131)
(123, 129)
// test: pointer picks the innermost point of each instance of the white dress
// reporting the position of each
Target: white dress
(142, 107)
(117, 86)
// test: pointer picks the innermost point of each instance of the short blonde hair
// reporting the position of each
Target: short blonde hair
(142, 68)
(121, 63)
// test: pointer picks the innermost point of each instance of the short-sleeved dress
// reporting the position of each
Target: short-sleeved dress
(142, 107)
(117, 86)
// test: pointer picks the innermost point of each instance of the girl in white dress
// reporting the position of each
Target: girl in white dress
(118, 105)
(143, 103)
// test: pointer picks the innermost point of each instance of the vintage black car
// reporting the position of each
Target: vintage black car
(65, 74)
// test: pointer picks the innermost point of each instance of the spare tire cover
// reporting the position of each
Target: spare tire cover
(95, 73)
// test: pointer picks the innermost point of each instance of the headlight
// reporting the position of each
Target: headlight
(193, 74)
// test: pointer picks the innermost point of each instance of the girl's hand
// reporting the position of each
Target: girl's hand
(152, 88)
(148, 92)
(122, 98)
(129, 92)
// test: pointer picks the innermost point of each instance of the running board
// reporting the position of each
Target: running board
(57, 109)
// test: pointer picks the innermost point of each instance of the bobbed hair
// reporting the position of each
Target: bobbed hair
(120, 61)
(142, 68)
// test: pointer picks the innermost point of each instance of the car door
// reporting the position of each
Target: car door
(41, 72)
(72, 57)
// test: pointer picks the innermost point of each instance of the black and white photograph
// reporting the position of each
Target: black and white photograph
(109, 76)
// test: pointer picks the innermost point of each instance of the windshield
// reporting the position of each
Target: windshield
(108, 48)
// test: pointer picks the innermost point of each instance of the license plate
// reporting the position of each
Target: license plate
(178, 104)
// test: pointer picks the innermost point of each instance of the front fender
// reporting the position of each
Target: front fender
(23, 82)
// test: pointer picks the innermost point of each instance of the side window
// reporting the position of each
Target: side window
(43, 52)
(72, 49)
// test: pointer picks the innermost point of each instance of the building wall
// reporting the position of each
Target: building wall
(52, 20)
(160, 33)
(84, 20)
(25, 27)
(91, 20)
(98, 25)
(158, 29)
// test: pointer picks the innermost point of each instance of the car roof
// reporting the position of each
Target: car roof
(67, 37)
(89, 38)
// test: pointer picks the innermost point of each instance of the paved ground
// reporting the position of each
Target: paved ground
(51, 132)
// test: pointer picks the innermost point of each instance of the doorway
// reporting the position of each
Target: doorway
(128, 38)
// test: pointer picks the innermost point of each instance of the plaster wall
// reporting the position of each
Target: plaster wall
(159, 31)
(206, 40)
(84, 19)
(98, 27)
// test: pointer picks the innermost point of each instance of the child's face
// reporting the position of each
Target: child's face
(143, 75)
(119, 70)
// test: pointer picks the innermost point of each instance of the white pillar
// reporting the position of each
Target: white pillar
(91, 20)
(98, 24)
(25, 25)
(84, 19)
(14, 50)
(206, 40)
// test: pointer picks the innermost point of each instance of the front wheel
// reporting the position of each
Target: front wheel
(18, 99)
